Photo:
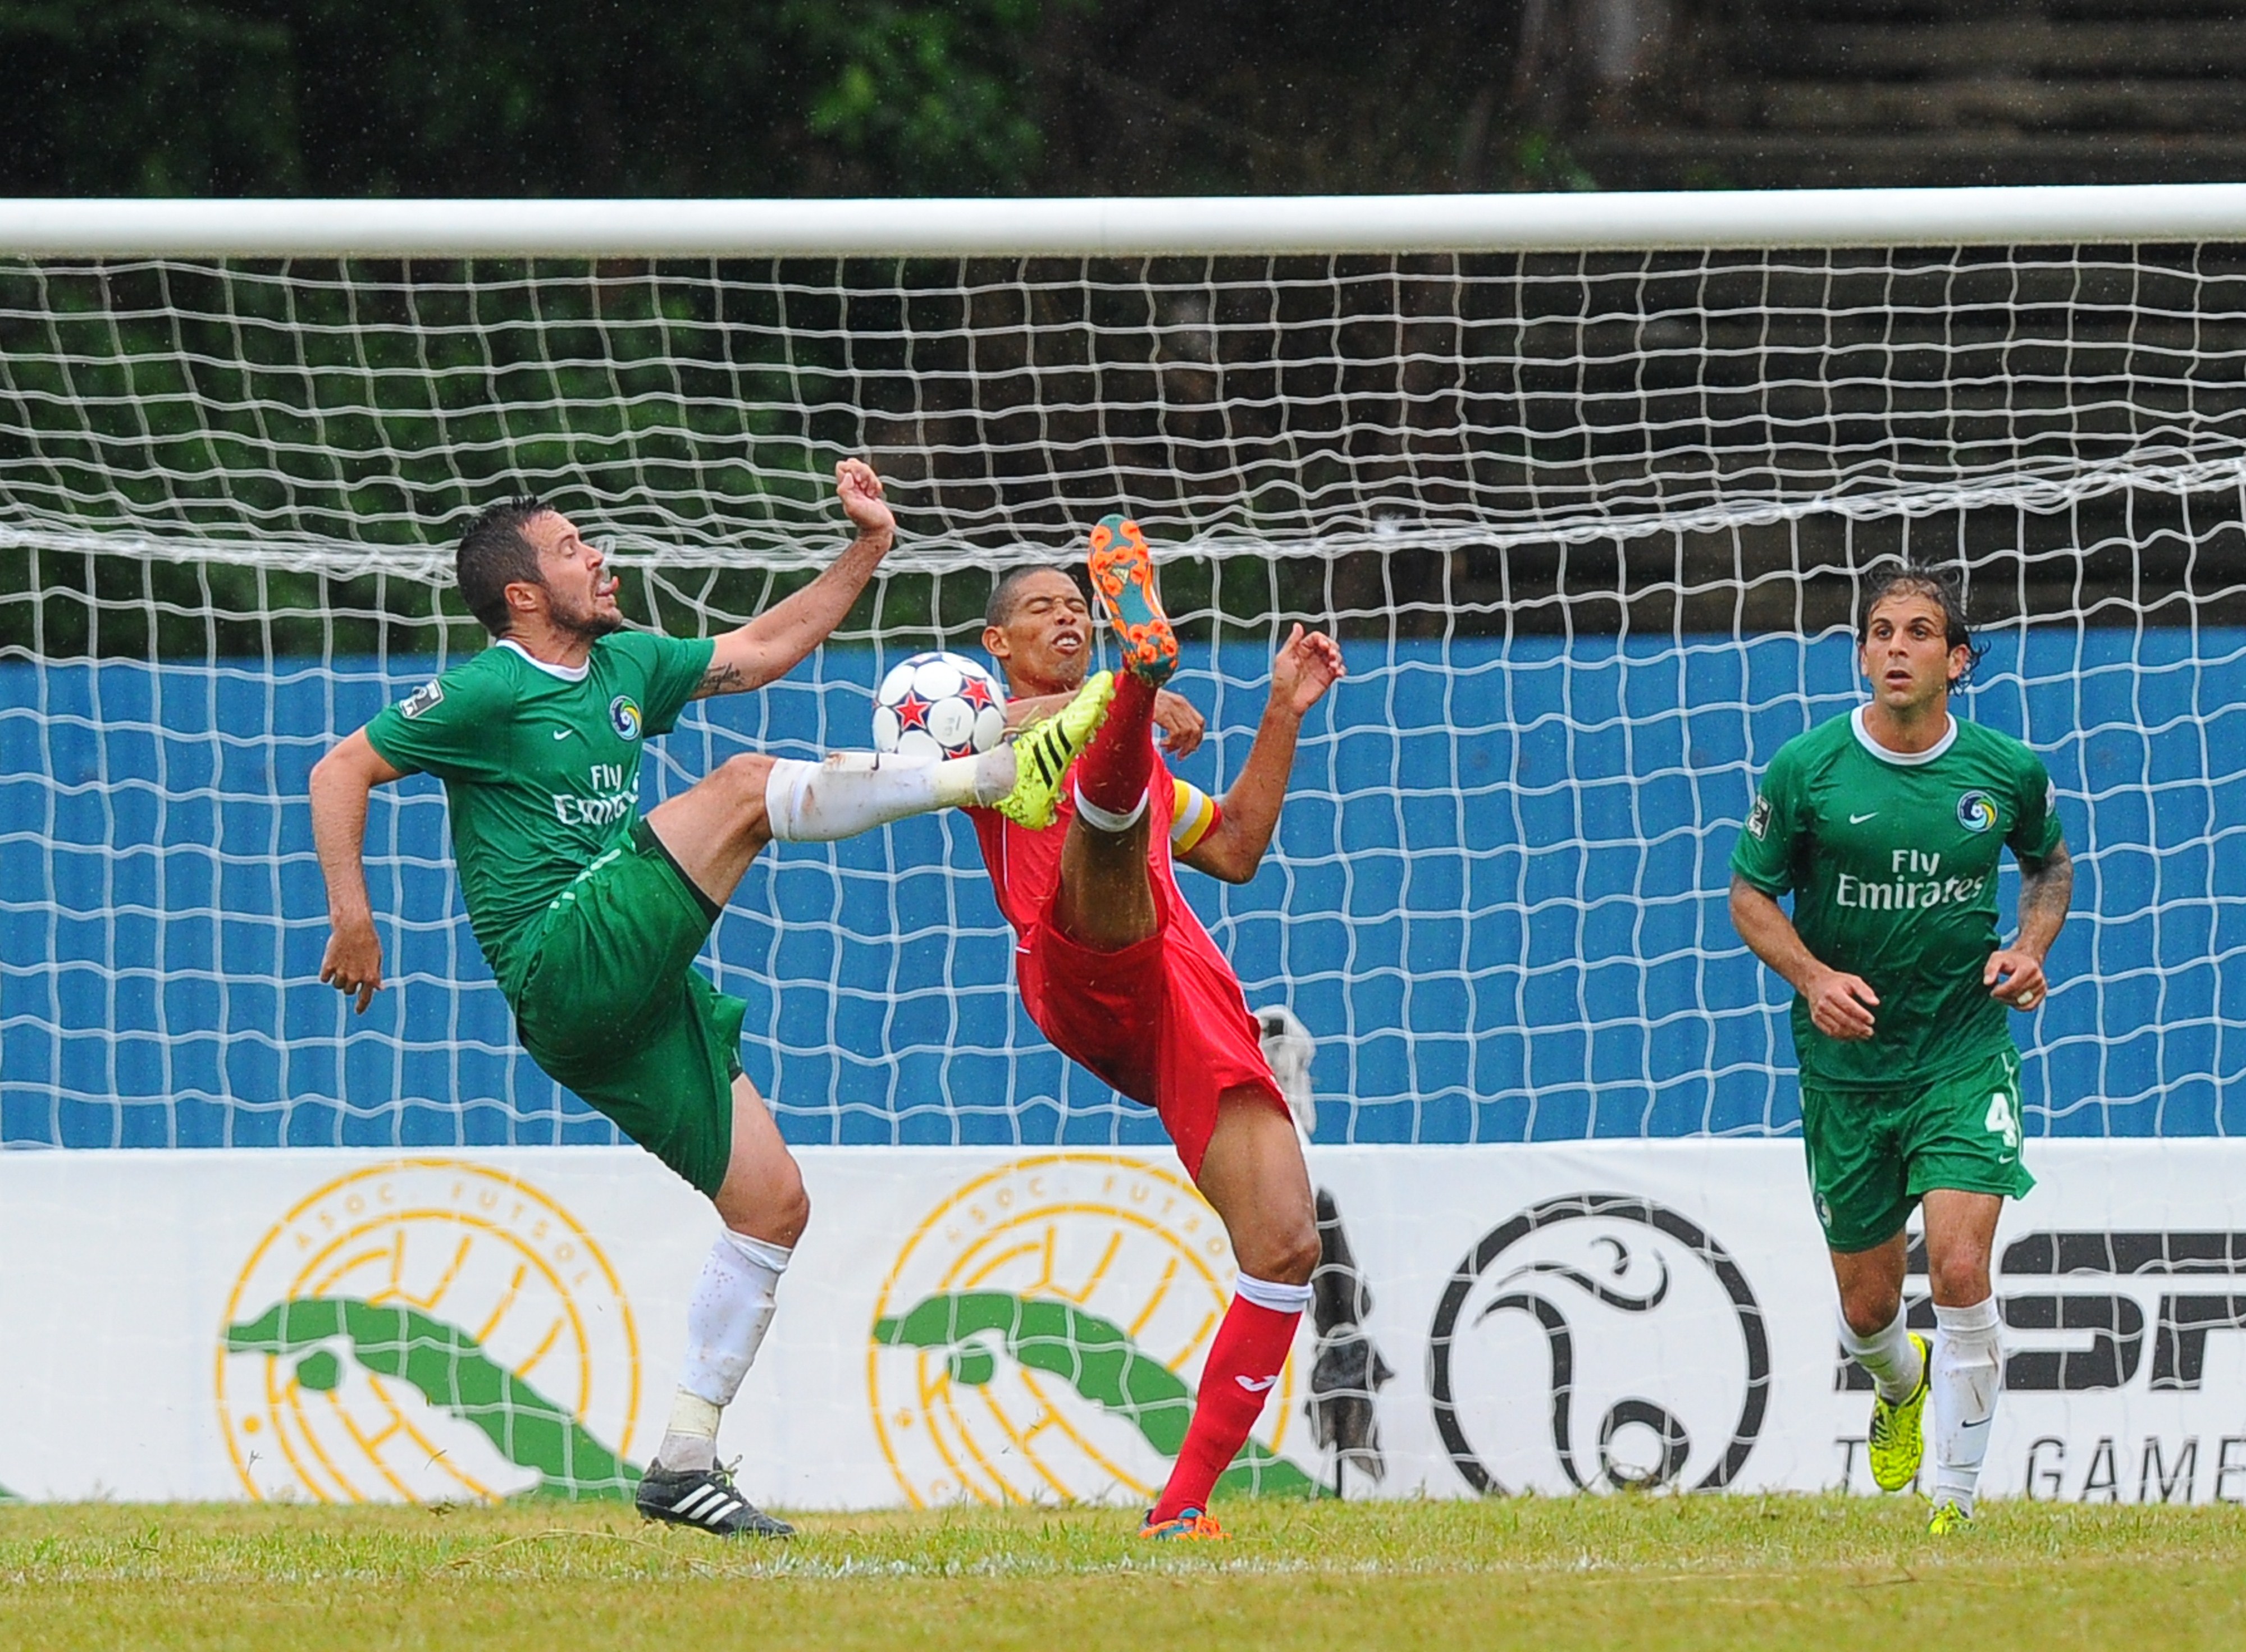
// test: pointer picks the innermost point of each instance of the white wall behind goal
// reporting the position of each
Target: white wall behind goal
(332, 1326)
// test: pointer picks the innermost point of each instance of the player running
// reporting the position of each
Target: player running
(1118, 972)
(1886, 827)
(591, 916)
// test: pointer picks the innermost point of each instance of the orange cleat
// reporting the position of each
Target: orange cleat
(1123, 578)
(1191, 1525)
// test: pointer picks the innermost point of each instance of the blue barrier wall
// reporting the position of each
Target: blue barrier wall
(1499, 903)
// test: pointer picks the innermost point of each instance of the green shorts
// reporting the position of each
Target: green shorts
(1875, 1153)
(612, 1007)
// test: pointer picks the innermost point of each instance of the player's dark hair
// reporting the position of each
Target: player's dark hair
(1006, 595)
(494, 554)
(1938, 585)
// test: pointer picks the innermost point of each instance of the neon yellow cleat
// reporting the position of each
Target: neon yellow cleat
(1043, 751)
(1898, 1439)
(1948, 1520)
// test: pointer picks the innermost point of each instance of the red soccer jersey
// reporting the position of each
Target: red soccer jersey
(1025, 865)
(1162, 1020)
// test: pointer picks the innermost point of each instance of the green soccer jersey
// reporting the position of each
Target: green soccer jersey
(540, 767)
(1892, 861)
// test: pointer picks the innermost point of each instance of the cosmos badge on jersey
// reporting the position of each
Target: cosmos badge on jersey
(624, 717)
(1976, 810)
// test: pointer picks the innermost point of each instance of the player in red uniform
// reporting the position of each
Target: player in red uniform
(1118, 972)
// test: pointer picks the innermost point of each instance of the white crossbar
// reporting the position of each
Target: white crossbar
(121, 228)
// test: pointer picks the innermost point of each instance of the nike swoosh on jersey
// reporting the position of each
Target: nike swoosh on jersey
(1859, 819)
(1256, 1385)
(563, 734)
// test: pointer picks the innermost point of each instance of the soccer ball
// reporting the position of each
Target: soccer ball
(938, 705)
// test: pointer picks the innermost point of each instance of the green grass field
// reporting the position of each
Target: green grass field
(1742, 1573)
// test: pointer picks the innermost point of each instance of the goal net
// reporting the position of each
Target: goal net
(1586, 519)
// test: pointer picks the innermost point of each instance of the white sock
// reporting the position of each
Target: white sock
(1106, 819)
(1269, 1293)
(854, 792)
(726, 1322)
(1969, 1374)
(1889, 1354)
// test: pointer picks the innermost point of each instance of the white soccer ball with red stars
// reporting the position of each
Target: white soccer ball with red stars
(938, 705)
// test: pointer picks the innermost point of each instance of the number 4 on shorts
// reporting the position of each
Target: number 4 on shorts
(2003, 1120)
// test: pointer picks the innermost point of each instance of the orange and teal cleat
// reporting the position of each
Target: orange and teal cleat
(1123, 578)
(1191, 1525)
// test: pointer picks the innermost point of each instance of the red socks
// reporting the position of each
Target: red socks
(1112, 773)
(1243, 1367)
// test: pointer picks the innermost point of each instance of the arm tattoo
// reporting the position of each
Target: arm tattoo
(719, 679)
(2046, 890)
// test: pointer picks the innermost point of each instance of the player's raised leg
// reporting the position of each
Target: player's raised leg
(716, 827)
(1107, 897)
(1252, 1173)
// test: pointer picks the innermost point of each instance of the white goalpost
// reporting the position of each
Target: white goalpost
(1582, 484)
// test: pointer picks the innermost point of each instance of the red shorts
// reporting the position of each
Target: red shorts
(1160, 1023)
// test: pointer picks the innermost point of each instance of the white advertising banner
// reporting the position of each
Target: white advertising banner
(988, 1324)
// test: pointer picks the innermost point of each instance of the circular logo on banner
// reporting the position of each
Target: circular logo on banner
(1976, 810)
(428, 1330)
(1605, 1307)
(624, 717)
(1040, 1335)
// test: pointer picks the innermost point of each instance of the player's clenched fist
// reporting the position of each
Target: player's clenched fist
(1841, 1005)
(2015, 978)
(860, 490)
(1181, 722)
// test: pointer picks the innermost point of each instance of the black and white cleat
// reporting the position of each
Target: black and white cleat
(705, 1500)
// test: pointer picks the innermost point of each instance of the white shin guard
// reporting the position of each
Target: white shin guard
(726, 1319)
(1969, 1374)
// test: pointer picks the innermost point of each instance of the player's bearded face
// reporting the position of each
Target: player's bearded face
(1907, 654)
(581, 593)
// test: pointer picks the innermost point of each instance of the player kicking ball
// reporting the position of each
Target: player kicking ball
(591, 916)
(1120, 974)
(1885, 825)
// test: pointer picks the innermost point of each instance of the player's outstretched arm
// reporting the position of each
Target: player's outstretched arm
(777, 640)
(1307, 666)
(1841, 1005)
(340, 783)
(2014, 974)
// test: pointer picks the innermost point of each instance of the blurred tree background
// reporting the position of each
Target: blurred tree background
(1092, 97)
(783, 98)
